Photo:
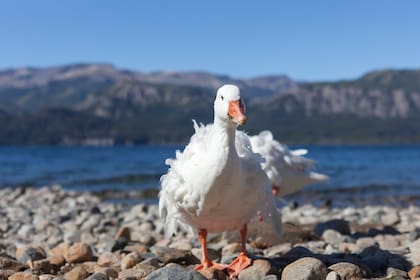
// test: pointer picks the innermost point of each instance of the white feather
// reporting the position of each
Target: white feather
(285, 168)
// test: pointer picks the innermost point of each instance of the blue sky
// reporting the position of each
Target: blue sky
(307, 40)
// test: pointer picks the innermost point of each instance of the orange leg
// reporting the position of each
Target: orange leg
(275, 190)
(242, 261)
(206, 262)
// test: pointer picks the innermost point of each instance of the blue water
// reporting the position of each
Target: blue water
(139, 167)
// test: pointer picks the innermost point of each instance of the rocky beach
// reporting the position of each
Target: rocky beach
(52, 233)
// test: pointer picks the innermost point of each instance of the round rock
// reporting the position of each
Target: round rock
(78, 252)
(175, 272)
(307, 268)
(348, 270)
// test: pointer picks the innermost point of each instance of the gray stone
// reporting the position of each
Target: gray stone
(395, 273)
(388, 242)
(333, 237)
(257, 270)
(107, 259)
(390, 218)
(98, 276)
(316, 246)
(175, 273)
(4, 226)
(26, 231)
(47, 277)
(182, 244)
(151, 261)
(307, 268)
(227, 259)
(280, 249)
(213, 273)
(414, 234)
(167, 255)
(72, 235)
(270, 277)
(348, 270)
(365, 242)
(25, 254)
(332, 275)
(143, 237)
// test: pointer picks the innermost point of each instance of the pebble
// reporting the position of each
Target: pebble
(414, 272)
(414, 234)
(258, 270)
(332, 275)
(77, 273)
(382, 242)
(348, 270)
(175, 273)
(396, 273)
(167, 255)
(277, 250)
(130, 260)
(78, 252)
(28, 253)
(213, 273)
(41, 266)
(98, 276)
(57, 260)
(307, 268)
(333, 237)
(47, 277)
(151, 261)
(59, 250)
(23, 276)
(182, 244)
(107, 259)
(390, 218)
(123, 232)
(119, 244)
(365, 242)
(139, 248)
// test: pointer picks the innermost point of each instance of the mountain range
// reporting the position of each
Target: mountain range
(101, 104)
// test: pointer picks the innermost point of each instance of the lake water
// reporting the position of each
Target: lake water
(367, 169)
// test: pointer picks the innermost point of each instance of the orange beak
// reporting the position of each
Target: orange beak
(237, 112)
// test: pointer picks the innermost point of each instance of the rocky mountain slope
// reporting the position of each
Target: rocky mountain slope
(69, 104)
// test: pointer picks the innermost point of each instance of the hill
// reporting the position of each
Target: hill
(100, 104)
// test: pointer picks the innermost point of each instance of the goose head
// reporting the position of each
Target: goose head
(228, 105)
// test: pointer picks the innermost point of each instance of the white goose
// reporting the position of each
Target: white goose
(216, 184)
(287, 170)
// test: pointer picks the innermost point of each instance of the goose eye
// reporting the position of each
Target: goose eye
(222, 97)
